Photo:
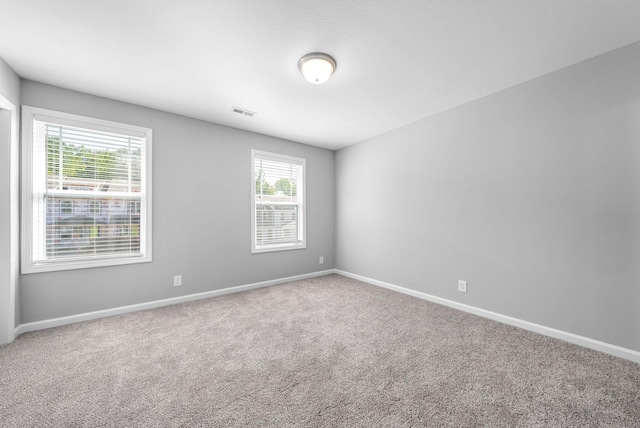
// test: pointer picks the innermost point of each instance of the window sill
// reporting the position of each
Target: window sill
(278, 247)
(82, 264)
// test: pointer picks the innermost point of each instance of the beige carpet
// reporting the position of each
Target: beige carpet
(323, 352)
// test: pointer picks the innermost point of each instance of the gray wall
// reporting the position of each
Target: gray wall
(201, 214)
(10, 90)
(531, 194)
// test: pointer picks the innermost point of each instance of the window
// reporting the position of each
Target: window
(277, 202)
(94, 207)
(86, 192)
(133, 207)
(66, 207)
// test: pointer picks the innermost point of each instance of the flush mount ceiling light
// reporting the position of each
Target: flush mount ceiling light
(317, 67)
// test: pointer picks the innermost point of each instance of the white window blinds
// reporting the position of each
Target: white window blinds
(278, 202)
(88, 192)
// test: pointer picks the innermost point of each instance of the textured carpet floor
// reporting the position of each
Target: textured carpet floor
(328, 351)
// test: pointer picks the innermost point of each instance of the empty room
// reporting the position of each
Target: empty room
(320, 214)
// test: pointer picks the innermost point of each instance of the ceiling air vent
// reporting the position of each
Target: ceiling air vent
(243, 111)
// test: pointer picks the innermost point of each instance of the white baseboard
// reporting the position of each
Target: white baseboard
(55, 322)
(597, 345)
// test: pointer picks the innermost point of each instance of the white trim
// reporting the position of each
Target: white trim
(587, 342)
(87, 316)
(597, 345)
(302, 205)
(8, 284)
(29, 114)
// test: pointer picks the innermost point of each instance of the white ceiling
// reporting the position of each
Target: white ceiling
(398, 61)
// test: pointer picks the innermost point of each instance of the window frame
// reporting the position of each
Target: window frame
(28, 265)
(302, 204)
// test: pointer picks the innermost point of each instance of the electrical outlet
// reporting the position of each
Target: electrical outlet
(177, 280)
(462, 286)
(321, 261)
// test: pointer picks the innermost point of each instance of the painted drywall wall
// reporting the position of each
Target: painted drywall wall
(201, 214)
(9, 121)
(532, 195)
